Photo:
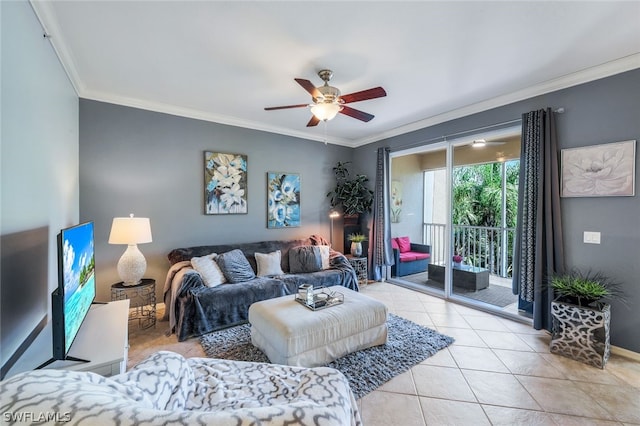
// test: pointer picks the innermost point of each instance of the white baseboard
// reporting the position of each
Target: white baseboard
(615, 350)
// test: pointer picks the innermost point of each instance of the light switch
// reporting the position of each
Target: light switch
(591, 237)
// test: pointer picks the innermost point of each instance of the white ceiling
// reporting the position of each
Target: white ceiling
(224, 61)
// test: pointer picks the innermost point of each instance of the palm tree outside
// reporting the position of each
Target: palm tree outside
(485, 204)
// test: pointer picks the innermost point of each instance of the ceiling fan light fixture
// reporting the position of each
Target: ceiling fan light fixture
(325, 111)
(479, 143)
(327, 102)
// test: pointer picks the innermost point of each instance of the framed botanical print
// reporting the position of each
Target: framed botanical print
(283, 200)
(225, 183)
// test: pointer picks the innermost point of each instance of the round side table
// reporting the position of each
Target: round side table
(142, 299)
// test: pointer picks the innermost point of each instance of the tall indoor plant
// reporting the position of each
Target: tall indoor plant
(581, 318)
(350, 193)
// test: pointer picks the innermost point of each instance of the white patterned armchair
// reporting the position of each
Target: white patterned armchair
(167, 388)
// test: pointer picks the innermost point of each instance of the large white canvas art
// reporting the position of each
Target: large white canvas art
(599, 170)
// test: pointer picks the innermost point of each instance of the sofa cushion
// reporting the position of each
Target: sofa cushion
(305, 259)
(407, 256)
(209, 270)
(325, 252)
(404, 244)
(394, 244)
(420, 256)
(410, 256)
(235, 266)
(268, 263)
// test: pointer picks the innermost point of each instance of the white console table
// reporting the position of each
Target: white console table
(103, 340)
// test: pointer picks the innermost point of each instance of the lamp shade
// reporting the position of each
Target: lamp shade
(130, 230)
(325, 111)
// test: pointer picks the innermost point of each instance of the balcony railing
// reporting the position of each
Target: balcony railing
(487, 247)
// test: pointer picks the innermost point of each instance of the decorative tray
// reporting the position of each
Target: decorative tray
(322, 299)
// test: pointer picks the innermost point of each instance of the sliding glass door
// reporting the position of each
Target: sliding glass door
(419, 210)
(460, 200)
(484, 200)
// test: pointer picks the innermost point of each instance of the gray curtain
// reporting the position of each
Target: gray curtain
(381, 255)
(539, 249)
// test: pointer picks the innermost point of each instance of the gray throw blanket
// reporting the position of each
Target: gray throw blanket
(198, 309)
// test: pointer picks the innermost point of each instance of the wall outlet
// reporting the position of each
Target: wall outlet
(591, 237)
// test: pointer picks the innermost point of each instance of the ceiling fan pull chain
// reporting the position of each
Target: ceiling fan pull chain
(325, 132)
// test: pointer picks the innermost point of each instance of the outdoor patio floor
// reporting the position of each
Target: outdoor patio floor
(498, 294)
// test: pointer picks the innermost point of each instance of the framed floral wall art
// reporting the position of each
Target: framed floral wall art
(599, 170)
(396, 201)
(283, 200)
(225, 183)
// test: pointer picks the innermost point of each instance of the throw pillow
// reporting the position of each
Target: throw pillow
(208, 270)
(394, 244)
(325, 252)
(404, 244)
(269, 263)
(305, 259)
(235, 266)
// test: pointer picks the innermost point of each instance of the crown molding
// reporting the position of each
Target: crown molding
(205, 116)
(46, 16)
(597, 72)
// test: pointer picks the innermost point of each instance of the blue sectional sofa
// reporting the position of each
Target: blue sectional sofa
(410, 258)
(194, 309)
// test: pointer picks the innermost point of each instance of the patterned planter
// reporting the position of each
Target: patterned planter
(581, 332)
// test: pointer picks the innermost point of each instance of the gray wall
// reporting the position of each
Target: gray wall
(606, 110)
(39, 185)
(151, 164)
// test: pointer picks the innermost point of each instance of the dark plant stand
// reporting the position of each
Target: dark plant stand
(581, 332)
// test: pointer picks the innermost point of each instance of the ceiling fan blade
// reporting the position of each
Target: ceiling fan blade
(313, 122)
(360, 115)
(308, 86)
(376, 92)
(286, 107)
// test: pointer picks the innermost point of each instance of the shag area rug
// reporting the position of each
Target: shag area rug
(408, 344)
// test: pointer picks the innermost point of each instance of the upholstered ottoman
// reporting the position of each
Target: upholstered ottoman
(291, 334)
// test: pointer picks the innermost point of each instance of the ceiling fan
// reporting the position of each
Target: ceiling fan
(327, 101)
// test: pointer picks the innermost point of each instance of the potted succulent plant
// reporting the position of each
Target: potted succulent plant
(356, 243)
(350, 194)
(581, 319)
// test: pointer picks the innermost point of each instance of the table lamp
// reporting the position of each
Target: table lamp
(131, 231)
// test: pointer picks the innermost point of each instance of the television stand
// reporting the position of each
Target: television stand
(102, 339)
(67, 358)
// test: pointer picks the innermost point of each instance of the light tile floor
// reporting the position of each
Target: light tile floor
(498, 372)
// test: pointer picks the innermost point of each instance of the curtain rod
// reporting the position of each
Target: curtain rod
(465, 132)
(444, 137)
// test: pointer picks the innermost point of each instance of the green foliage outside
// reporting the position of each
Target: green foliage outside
(477, 194)
(477, 202)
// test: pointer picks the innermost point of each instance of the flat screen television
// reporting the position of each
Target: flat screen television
(76, 291)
